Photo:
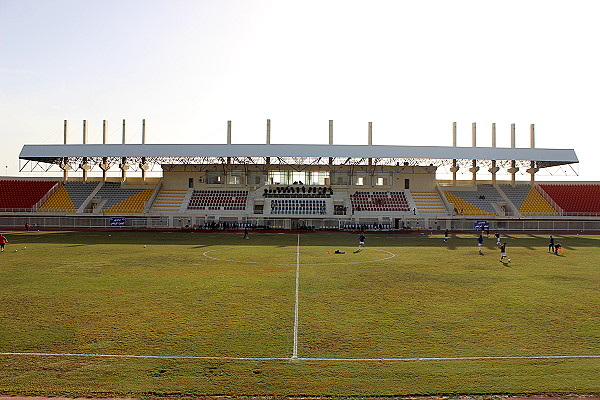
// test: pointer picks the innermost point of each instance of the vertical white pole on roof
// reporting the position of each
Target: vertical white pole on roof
(124, 165)
(454, 168)
(143, 165)
(104, 159)
(84, 131)
(330, 138)
(104, 132)
(228, 139)
(370, 140)
(65, 159)
(513, 164)
(532, 168)
(494, 168)
(268, 159)
(474, 168)
(84, 165)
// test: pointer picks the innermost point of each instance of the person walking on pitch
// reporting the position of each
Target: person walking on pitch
(551, 245)
(503, 253)
(480, 243)
(361, 241)
(3, 241)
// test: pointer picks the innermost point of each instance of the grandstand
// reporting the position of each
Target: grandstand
(322, 186)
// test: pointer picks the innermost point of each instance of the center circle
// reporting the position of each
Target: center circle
(324, 257)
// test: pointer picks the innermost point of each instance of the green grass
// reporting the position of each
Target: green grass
(105, 293)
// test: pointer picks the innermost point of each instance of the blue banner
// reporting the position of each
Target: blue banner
(117, 221)
(479, 225)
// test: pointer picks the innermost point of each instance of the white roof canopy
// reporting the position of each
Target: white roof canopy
(56, 152)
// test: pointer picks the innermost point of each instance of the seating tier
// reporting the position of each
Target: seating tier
(528, 200)
(379, 201)
(474, 202)
(22, 195)
(218, 200)
(120, 199)
(575, 198)
(298, 206)
(429, 202)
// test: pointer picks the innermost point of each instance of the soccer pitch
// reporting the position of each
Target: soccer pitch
(122, 313)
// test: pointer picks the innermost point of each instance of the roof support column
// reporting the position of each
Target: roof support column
(474, 168)
(228, 139)
(370, 140)
(65, 164)
(513, 164)
(494, 168)
(104, 166)
(143, 165)
(85, 167)
(455, 167)
(268, 159)
(331, 138)
(124, 167)
(532, 168)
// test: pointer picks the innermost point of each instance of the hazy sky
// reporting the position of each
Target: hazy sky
(410, 67)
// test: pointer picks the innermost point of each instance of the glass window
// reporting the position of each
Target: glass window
(214, 177)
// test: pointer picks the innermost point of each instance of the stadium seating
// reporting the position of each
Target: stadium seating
(68, 197)
(59, 201)
(80, 191)
(528, 200)
(22, 195)
(429, 203)
(215, 200)
(296, 191)
(379, 201)
(168, 200)
(474, 202)
(575, 199)
(122, 200)
(298, 206)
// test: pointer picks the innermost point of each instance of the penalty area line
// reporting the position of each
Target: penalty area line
(232, 358)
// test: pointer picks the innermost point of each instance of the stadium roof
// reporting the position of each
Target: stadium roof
(179, 153)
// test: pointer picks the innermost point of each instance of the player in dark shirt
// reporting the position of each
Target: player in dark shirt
(503, 252)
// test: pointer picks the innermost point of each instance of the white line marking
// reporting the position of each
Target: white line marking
(475, 358)
(391, 255)
(295, 350)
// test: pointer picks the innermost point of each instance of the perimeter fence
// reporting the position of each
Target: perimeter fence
(18, 221)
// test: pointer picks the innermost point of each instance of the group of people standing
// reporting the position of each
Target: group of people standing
(554, 247)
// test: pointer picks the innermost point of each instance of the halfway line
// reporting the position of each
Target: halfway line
(295, 350)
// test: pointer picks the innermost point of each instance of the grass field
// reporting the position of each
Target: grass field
(190, 299)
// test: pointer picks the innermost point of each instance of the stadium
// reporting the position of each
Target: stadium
(236, 272)
(298, 186)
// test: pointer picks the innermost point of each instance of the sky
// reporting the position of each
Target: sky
(409, 67)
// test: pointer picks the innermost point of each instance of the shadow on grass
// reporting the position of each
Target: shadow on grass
(201, 239)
